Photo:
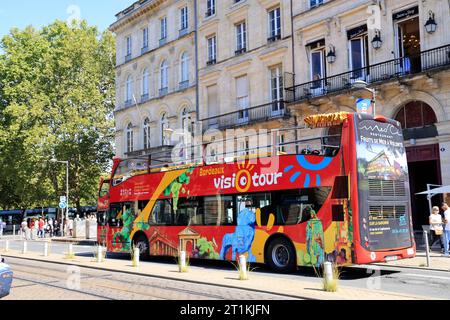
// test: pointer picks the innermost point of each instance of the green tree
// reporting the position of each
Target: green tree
(57, 92)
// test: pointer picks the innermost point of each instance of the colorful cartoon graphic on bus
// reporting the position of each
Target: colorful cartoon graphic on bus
(240, 242)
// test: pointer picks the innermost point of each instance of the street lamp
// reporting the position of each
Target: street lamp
(53, 160)
(362, 85)
(431, 24)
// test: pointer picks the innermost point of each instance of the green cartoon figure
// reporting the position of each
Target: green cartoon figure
(123, 236)
(314, 241)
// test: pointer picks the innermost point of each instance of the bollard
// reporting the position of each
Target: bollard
(71, 250)
(328, 269)
(243, 267)
(99, 254)
(45, 249)
(427, 247)
(24, 247)
(183, 261)
(136, 253)
(6, 245)
(14, 232)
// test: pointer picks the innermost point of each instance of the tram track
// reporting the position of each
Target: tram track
(163, 288)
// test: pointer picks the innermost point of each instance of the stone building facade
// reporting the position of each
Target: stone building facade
(270, 63)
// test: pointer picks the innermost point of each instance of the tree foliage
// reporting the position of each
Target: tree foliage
(57, 94)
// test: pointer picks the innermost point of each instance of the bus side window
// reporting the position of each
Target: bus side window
(114, 214)
(162, 213)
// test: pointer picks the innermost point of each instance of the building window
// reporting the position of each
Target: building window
(416, 114)
(147, 133)
(184, 79)
(164, 78)
(281, 141)
(130, 138)
(184, 18)
(274, 25)
(145, 84)
(164, 28)
(242, 97)
(276, 89)
(129, 90)
(212, 50)
(164, 127)
(241, 38)
(358, 43)
(315, 3)
(317, 64)
(129, 48)
(145, 38)
(186, 120)
(210, 8)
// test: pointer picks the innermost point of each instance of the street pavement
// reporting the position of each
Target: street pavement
(382, 282)
(48, 281)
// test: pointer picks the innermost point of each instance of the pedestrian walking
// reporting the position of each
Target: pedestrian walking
(70, 225)
(447, 231)
(24, 228)
(41, 228)
(436, 229)
(1, 227)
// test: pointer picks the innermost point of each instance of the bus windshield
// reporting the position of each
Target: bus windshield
(383, 185)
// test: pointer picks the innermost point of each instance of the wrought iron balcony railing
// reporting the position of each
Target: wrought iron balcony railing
(432, 59)
(248, 116)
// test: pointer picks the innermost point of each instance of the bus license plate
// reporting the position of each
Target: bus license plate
(391, 258)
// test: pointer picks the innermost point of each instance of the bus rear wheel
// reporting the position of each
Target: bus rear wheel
(142, 243)
(280, 256)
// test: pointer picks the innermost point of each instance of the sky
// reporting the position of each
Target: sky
(42, 12)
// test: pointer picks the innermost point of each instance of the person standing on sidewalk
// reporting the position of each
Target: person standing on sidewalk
(447, 231)
(436, 230)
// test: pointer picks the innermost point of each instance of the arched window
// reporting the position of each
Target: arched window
(130, 138)
(147, 133)
(145, 83)
(164, 126)
(164, 77)
(129, 89)
(184, 68)
(185, 120)
(416, 114)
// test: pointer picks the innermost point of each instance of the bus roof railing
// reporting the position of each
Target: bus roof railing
(320, 146)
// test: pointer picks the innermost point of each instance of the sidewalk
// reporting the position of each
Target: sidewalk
(437, 262)
(289, 286)
(75, 241)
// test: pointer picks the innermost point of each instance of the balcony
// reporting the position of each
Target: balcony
(184, 85)
(163, 92)
(211, 62)
(249, 116)
(183, 32)
(162, 41)
(144, 49)
(240, 51)
(145, 97)
(127, 58)
(434, 59)
(274, 38)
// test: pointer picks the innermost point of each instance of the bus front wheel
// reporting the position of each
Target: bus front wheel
(142, 243)
(280, 255)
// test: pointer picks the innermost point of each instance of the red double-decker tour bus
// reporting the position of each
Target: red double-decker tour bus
(343, 198)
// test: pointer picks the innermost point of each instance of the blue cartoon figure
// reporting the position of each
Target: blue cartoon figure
(241, 240)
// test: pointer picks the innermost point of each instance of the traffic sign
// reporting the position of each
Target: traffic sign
(62, 199)
(63, 205)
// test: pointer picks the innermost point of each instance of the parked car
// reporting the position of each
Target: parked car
(6, 277)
